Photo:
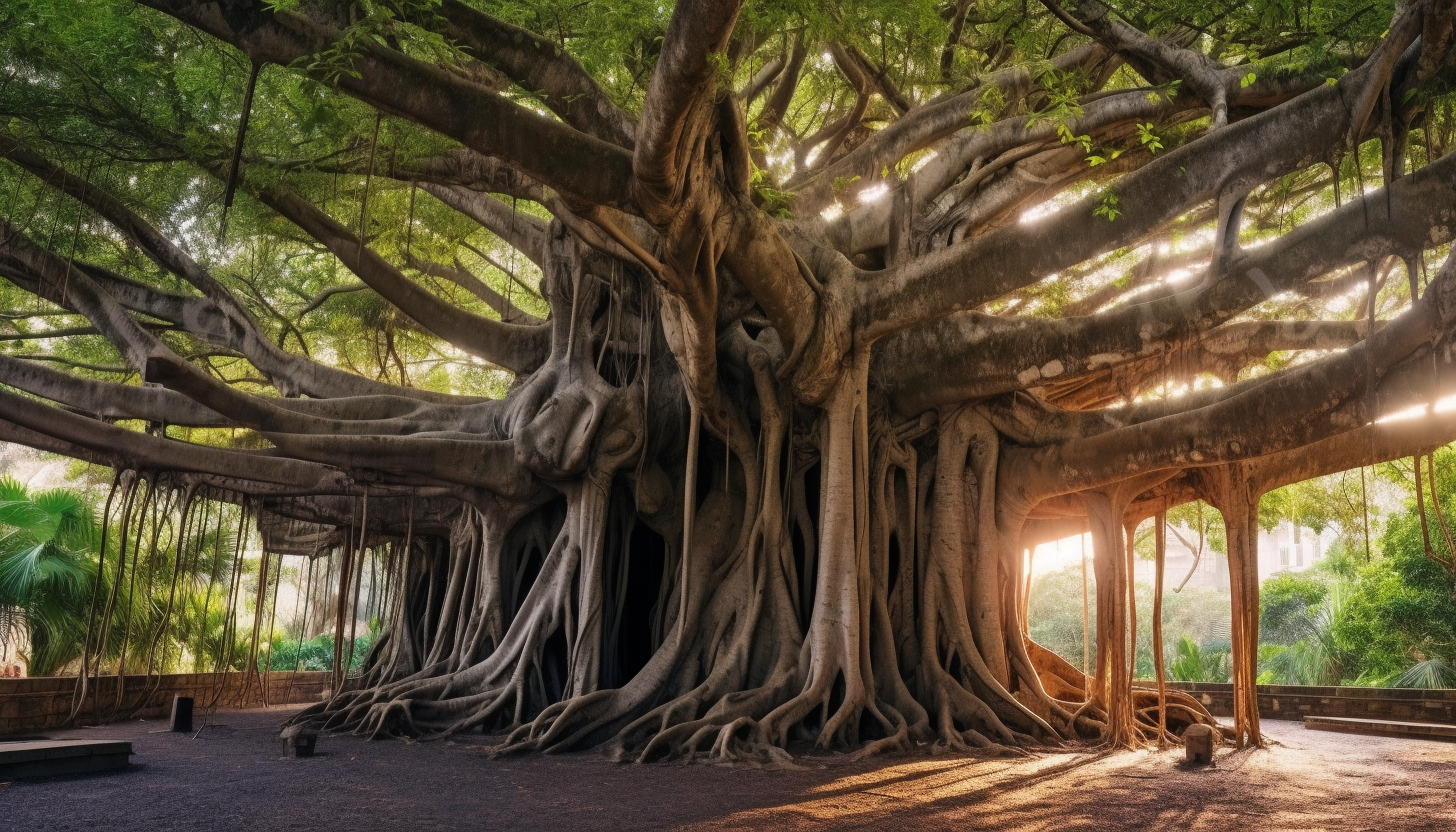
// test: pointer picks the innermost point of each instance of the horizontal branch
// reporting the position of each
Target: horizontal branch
(1295, 407)
(587, 168)
(1367, 445)
(106, 400)
(461, 166)
(52, 429)
(523, 232)
(973, 355)
(520, 349)
(1233, 160)
(542, 67)
(1224, 353)
(489, 465)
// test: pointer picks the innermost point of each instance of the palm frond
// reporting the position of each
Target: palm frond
(1431, 674)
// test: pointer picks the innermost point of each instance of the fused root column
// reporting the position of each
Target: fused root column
(737, 670)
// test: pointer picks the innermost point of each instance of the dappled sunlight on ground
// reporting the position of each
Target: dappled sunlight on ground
(1306, 781)
(230, 777)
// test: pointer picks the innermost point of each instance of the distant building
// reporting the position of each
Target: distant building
(1287, 548)
(1184, 567)
(1291, 548)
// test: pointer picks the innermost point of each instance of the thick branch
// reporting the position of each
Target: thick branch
(1296, 407)
(520, 349)
(777, 106)
(1234, 159)
(679, 99)
(490, 465)
(973, 354)
(761, 79)
(523, 232)
(1224, 353)
(463, 167)
(541, 66)
(547, 150)
(107, 400)
(1208, 79)
(53, 429)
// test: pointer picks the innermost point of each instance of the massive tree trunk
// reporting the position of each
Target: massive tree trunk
(767, 468)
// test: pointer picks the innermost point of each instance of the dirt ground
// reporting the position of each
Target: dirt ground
(230, 777)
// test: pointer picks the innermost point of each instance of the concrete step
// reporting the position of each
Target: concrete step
(48, 758)
(1382, 727)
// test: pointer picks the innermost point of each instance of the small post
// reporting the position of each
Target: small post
(182, 714)
(1199, 742)
(298, 741)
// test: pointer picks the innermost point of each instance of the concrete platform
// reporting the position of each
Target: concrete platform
(48, 758)
(1382, 727)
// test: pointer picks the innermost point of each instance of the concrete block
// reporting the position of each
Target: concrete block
(50, 758)
(298, 741)
(1199, 742)
(182, 714)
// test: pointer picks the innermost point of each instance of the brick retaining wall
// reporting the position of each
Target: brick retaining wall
(1297, 701)
(36, 704)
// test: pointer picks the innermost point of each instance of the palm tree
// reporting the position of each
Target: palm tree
(1192, 664)
(1316, 657)
(1433, 673)
(48, 545)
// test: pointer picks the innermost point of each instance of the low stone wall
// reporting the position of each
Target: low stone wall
(1298, 701)
(30, 705)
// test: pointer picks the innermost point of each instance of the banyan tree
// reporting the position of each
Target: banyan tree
(712, 365)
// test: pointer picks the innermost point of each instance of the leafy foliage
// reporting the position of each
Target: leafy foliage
(50, 563)
(316, 653)
(1194, 664)
(48, 544)
(1055, 618)
(1389, 619)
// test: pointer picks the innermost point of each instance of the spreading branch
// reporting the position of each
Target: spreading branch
(402, 86)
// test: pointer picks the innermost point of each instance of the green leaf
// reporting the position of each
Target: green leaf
(1107, 207)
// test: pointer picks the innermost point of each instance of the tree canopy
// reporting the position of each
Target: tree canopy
(712, 363)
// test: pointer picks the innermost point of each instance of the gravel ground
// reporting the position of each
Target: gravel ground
(230, 777)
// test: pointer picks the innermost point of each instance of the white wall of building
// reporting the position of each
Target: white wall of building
(1285, 548)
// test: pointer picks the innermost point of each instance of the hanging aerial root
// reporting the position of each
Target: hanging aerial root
(729, 660)
(515, 680)
(1182, 709)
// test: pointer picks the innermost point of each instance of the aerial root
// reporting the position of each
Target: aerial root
(388, 719)
(722, 724)
(546, 731)
(898, 740)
